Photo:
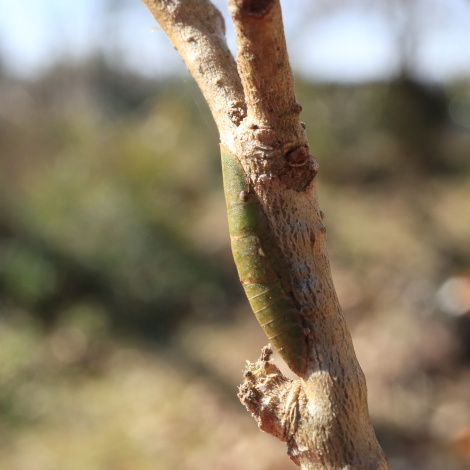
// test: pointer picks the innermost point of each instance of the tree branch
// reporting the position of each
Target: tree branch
(197, 31)
(323, 416)
(268, 83)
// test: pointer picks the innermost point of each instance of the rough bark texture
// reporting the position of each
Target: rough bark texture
(323, 417)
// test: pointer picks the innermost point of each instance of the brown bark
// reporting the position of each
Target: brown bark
(323, 416)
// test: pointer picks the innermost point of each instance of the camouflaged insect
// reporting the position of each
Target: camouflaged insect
(258, 269)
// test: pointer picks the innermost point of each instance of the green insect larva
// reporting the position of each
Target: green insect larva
(274, 309)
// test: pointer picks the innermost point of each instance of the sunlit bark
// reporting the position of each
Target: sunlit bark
(323, 416)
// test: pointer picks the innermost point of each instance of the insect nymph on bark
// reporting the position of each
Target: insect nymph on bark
(252, 248)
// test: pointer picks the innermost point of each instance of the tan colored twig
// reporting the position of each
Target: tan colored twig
(323, 417)
(263, 63)
(197, 31)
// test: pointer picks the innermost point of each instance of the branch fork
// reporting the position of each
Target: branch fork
(323, 416)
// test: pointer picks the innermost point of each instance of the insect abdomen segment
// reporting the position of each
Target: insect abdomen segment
(274, 309)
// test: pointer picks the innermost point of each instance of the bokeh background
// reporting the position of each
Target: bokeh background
(123, 328)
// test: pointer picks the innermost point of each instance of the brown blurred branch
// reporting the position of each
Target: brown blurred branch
(323, 417)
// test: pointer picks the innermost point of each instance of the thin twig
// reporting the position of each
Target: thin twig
(263, 63)
(197, 30)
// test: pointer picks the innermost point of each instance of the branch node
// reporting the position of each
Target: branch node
(272, 398)
(297, 108)
(299, 177)
(297, 156)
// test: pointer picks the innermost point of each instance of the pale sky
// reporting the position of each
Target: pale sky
(334, 40)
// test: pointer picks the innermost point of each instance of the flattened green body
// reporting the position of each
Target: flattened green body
(251, 243)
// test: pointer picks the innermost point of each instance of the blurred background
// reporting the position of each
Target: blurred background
(123, 328)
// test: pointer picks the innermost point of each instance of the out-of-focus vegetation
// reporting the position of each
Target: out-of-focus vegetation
(123, 328)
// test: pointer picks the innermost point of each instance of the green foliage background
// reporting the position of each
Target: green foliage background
(123, 327)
